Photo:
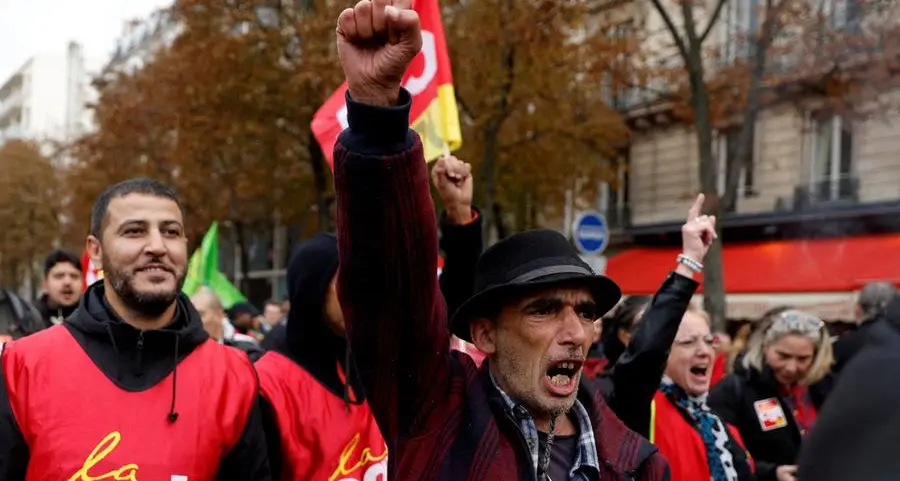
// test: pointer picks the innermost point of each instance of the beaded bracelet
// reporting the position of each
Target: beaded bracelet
(690, 263)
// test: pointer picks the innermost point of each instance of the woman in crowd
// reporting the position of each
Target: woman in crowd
(774, 396)
(615, 335)
(697, 443)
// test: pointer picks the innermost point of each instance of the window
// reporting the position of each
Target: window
(726, 151)
(843, 13)
(832, 159)
(742, 22)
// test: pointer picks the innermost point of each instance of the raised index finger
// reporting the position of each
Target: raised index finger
(696, 208)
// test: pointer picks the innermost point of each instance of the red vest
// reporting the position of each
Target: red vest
(679, 442)
(80, 426)
(320, 439)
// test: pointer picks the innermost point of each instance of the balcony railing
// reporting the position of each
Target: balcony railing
(832, 191)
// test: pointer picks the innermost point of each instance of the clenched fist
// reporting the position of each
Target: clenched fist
(453, 180)
(377, 40)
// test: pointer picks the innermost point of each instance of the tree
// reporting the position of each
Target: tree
(534, 118)
(811, 51)
(29, 208)
(223, 115)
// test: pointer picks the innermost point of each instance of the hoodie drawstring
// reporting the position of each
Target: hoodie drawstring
(347, 378)
(342, 371)
(173, 415)
(112, 340)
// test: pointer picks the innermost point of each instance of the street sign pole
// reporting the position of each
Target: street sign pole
(590, 234)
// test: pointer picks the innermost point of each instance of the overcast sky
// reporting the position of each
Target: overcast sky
(29, 27)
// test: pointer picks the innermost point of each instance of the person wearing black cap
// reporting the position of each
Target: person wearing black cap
(315, 411)
(131, 386)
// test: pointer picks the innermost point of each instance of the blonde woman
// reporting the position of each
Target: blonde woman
(773, 401)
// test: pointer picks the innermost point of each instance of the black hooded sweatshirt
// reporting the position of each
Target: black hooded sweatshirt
(136, 361)
(53, 315)
(306, 338)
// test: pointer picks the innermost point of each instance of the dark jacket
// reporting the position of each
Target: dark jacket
(462, 245)
(53, 315)
(114, 347)
(632, 382)
(439, 417)
(18, 317)
(851, 343)
(733, 400)
(858, 431)
(251, 349)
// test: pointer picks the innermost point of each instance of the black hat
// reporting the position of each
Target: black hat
(536, 258)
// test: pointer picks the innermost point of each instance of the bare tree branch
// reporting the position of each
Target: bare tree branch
(679, 42)
(712, 20)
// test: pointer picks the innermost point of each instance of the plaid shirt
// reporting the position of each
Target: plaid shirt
(586, 466)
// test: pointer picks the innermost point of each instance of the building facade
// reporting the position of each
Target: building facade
(141, 39)
(46, 98)
(820, 187)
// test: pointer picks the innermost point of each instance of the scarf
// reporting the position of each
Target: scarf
(712, 431)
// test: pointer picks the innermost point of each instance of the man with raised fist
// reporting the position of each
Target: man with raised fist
(442, 417)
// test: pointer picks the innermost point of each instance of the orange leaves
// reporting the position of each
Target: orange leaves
(29, 202)
(529, 77)
(222, 114)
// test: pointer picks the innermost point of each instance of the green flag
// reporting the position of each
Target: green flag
(203, 270)
(228, 294)
(192, 281)
(204, 262)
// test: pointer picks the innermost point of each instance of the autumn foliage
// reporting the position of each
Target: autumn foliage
(30, 201)
(528, 76)
(222, 114)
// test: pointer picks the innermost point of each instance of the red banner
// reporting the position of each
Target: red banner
(89, 273)
(434, 114)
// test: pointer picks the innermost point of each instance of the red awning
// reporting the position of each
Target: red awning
(815, 265)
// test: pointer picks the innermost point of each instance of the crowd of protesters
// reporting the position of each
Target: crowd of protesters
(516, 363)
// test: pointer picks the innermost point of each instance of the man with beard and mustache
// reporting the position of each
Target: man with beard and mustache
(131, 386)
(62, 287)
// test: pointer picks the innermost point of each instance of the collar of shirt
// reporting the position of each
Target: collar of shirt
(586, 466)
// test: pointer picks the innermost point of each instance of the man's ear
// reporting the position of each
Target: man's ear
(484, 335)
(598, 329)
(95, 251)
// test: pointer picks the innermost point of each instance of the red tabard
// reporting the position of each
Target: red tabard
(80, 426)
(680, 443)
(320, 439)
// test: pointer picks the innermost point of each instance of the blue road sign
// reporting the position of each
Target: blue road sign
(590, 233)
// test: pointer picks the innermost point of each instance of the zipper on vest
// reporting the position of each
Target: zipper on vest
(140, 354)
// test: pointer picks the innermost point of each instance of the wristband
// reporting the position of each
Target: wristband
(690, 263)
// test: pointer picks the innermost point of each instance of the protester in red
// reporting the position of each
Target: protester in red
(441, 416)
(318, 424)
(697, 443)
(131, 386)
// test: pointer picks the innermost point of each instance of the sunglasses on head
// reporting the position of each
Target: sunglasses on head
(797, 320)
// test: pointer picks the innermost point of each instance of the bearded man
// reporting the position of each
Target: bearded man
(131, 386)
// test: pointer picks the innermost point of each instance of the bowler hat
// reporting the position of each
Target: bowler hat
(536, 258)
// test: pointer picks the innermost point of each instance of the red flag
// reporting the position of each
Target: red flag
(89, 273)
(433, 115)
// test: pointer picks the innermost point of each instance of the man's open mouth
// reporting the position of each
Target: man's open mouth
(561, 373)
(700, 369)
